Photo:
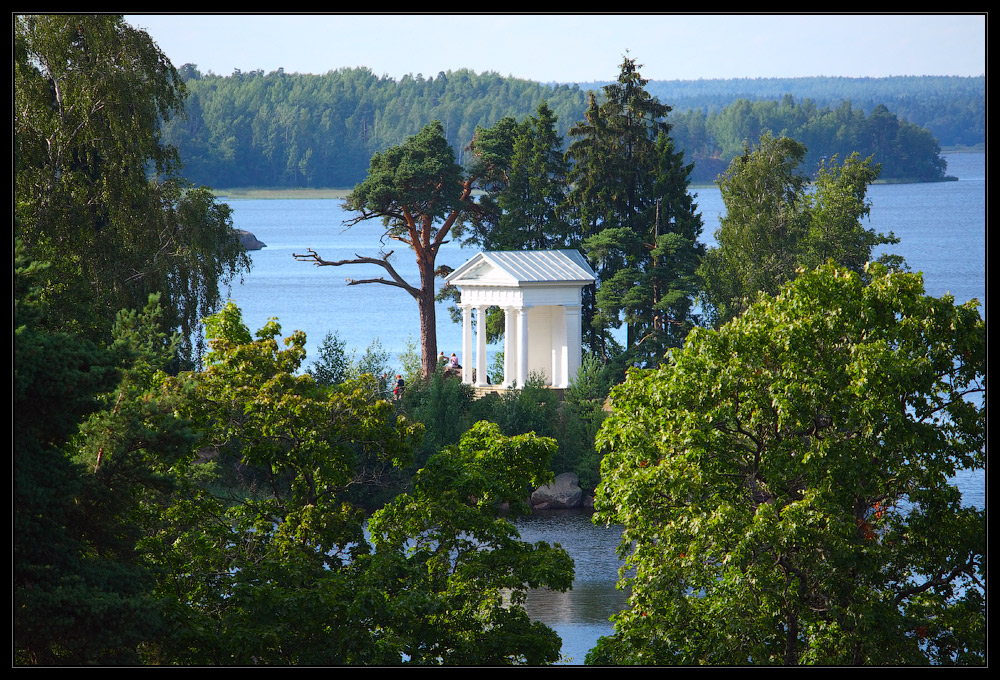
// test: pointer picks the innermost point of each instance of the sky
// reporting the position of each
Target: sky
(578, 47)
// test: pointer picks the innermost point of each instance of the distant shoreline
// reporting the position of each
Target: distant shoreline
(340, 194)
(256, 193)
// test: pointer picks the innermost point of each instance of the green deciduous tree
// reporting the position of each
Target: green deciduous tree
(759, 235)
(458, 573)
(97, 194)
(837, 204)
(261, 575)
(775, 223)
(281, 571)
(784, 483)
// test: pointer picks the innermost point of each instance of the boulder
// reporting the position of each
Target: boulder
(563, 493)
(249, 241)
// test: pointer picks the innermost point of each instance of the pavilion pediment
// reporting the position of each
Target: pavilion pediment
(524, 268)
(483, 273)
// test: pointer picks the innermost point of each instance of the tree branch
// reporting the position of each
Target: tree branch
(967, 569)
(397, 280)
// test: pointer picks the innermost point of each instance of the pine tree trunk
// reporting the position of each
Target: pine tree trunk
(428, 320)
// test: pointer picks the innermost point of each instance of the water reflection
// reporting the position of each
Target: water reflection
(581, 615)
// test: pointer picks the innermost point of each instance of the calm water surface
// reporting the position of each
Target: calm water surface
(942, 232)
(942, 227)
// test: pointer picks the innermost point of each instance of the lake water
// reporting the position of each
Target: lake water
(942, 227)
(942, 231)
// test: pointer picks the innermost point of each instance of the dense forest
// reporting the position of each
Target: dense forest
(952, 108)
(298, 130)
(290, 130)
(187, 493)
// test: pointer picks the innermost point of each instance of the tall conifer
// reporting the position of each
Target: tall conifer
(636, 218)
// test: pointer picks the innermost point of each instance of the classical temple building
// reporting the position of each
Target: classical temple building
(540, 294)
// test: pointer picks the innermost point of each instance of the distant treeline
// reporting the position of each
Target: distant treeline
(953, 108)
(906, 151)
(300, 130)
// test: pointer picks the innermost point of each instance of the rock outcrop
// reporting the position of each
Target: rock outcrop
(563, 493)
(249, 241)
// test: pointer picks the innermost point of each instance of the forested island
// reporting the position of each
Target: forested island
(299, 130)
(775, 432)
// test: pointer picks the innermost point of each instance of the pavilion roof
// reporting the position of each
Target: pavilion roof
(517, 267)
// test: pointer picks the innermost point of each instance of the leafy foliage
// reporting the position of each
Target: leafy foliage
(776, 223)
(743, 470)
(952, 108)
(98, 194)
(294, 129)
(283, 573)
(784, 483)
(580, 417)
(460, 572)
(444, 406)
(236, 566)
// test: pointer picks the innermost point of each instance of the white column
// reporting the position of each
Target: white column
(522, 346)
(467, 344)
(574, 341)
(557, 340)
(509, 345)
(480, 345)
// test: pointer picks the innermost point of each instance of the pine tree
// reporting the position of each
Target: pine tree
(525, 180)
(523, 172)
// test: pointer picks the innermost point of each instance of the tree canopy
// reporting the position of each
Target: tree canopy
(423, 198)
(281, 571)
(777, 221)
(637, 222)
(459, 571)
(204, 517)
(785, 483)
(252, 128)
(524, 183)
(98, 195)
(96, 442)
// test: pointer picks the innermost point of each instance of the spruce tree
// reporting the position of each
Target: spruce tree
(637, 221)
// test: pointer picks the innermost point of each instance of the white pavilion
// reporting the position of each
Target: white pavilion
(540, 294)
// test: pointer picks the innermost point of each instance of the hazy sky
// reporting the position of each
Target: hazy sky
(576, 48)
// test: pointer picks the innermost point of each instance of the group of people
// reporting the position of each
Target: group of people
(400, 384)
(397, 392)
(452, 363)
